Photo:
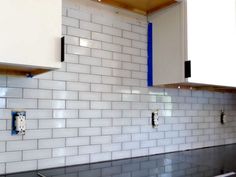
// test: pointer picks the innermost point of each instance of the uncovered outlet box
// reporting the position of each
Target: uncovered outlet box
(18, 122)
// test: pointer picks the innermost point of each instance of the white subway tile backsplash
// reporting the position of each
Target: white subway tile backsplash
(98, 106)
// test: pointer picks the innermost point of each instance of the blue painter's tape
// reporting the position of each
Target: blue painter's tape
(150, 56)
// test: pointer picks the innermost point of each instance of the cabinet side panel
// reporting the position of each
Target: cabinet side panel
(30, 32)
(168, 44)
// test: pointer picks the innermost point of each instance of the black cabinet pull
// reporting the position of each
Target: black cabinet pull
(63, 49)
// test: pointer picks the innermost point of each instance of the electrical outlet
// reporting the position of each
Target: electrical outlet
(155, 119)
(18, 122)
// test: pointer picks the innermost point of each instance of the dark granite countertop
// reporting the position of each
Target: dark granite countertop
(195, 163)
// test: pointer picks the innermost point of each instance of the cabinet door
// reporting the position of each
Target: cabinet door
(211, 34)
(30, 33)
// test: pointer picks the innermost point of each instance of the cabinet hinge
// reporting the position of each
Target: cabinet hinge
(187, 69)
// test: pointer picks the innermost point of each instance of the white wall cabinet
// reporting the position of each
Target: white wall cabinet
(200, 31)
(30, 35)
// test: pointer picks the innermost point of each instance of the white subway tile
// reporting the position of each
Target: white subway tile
(21, 145)
(22, 82)
(121, 57)
(101, 37)
(78, 32)
(90, 26)
(130, 145)
(70, 22)
(100, 88)
(2, 147)
(122, 41)
(51, 104)
(37, 154)
(101, 140)
(101, 53)
(2, 168)
(111, 113)
(111, 31)
(102, 19)
(131, 51)
(100, 105)
(69, 58)
(121, 73)
(90, 114)
(21, 166)
(139, 152)
(121, 154)
(81, 159)
(139, 29)
(65, 132)
(101, 71)
(111, 80)
(91, 149)
(111, 130)
(101, 123)
(122, 25)
(67, 151)
(111, 147)
(38, 134)
(51, 143)
(140, 45)
(111, 47)
(65, 95)
(78, 50)
(90, 61)
(75, 86)
(11, 92)
(72, 40)
(76, 123)
(65, 76)
(100, 157)
(48, 84)
(90, 43)
(36, 93)
(77, 105)
(121, 138)
(10, 156)
(89, 131)
(77, 141)
(78, 14)
(20, 103)
(53, 162)
(51, 124)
